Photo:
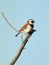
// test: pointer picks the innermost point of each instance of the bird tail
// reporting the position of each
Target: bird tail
(17, 34)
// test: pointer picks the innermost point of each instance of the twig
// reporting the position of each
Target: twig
(21, 49)
(22, 38)
(23, 42)
(8, 22)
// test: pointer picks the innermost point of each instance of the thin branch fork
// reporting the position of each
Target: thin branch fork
(20, 50)
(22, 47)
(23, 42)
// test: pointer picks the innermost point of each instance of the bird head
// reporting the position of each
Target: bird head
(31, 21)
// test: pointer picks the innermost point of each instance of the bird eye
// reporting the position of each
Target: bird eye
(32, 21)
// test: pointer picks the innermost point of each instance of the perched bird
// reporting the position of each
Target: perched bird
(27, 27)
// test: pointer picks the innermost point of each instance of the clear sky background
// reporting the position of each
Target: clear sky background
(18, 12)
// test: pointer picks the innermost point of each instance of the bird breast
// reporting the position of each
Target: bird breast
(27, 29)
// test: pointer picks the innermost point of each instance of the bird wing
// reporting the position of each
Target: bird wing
(24, 27)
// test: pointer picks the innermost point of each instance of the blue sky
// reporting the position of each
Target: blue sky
(18, 12)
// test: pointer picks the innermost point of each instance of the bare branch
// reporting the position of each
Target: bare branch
(23, 42)
(8, 22)
(21, 48)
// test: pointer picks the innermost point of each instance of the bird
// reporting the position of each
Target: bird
(26, 28)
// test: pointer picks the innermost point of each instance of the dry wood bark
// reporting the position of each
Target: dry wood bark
(21, 48)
